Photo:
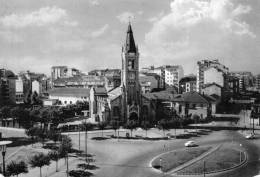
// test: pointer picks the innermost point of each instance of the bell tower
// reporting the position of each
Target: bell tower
(130, 77)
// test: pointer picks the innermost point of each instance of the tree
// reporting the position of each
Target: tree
(35, 98)
(55, 156)
(16, 168)
(54, 135)
(115, 125)
(87, 127)
(102, 126)
(65, 146)
(5, 113)
(15, 113)
(32, 132)
(146, 126)
(44, 117)
(39, 160)
(131, 125)
(34, 115)
(163, 125)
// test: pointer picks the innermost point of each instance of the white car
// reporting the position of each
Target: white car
(250, 136)
(190, 144)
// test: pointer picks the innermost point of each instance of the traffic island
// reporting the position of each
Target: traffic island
(229, 156)
(171, 160)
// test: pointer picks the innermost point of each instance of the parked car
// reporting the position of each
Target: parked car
(250, 136)
(190, 144)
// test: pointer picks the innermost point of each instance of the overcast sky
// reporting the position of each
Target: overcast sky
(88, 34)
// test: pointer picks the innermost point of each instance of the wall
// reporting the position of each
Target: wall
(68, 99)
(213, 75)
(213, 89)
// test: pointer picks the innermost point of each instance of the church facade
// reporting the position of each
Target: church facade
(125, 102)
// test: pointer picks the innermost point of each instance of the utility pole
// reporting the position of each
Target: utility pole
(204, 168)
(253, 125)
(79, 137)
(67, 165)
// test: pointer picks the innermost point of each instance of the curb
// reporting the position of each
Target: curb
(202, 156)
(211, 150)
(244, 162)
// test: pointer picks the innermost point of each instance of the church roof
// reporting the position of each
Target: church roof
(70, 92)
(116, 92)
(100, 91)
(130, 42)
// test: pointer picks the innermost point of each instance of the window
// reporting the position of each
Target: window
(65, 102)
(70, 102)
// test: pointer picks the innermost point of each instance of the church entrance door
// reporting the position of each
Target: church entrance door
(133, 116)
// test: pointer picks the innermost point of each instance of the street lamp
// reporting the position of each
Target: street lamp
(3, 149)
(240, 154)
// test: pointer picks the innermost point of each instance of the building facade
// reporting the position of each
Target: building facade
(187, 84)
(67, 96)
(7, 87)
(204, 65)
(63, 72)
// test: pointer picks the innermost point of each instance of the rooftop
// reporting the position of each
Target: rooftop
(71, 92)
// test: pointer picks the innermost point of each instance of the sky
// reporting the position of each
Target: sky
(89, 34)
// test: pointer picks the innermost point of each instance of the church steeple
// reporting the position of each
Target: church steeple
(130, 42)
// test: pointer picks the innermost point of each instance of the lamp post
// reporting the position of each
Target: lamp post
(240, 154)
(3, 149)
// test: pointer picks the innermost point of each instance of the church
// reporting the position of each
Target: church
(125, 102)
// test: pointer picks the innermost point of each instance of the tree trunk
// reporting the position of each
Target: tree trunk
(40, 171)
(86, 144)
(57, 166)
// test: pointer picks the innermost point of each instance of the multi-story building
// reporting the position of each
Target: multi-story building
(19, 92)
(7, 87)
(187, 84)
(258, 81)
(170, 75)
(204, 65)
(87, 81)
(63, 72)
(34, 82)
(148, 83)
(158, 71)
(113, 77)
(246, 79)
(233, 85)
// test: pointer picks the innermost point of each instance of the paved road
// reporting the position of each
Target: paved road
(137, 165)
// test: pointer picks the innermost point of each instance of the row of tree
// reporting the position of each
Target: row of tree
(27, 116)
(41, 159)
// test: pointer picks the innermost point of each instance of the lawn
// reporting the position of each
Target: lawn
(226, 157)
(174, 159)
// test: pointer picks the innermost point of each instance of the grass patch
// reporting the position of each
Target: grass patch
(99, 138)
(174, 159)
(226, 157)
(18, 141)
